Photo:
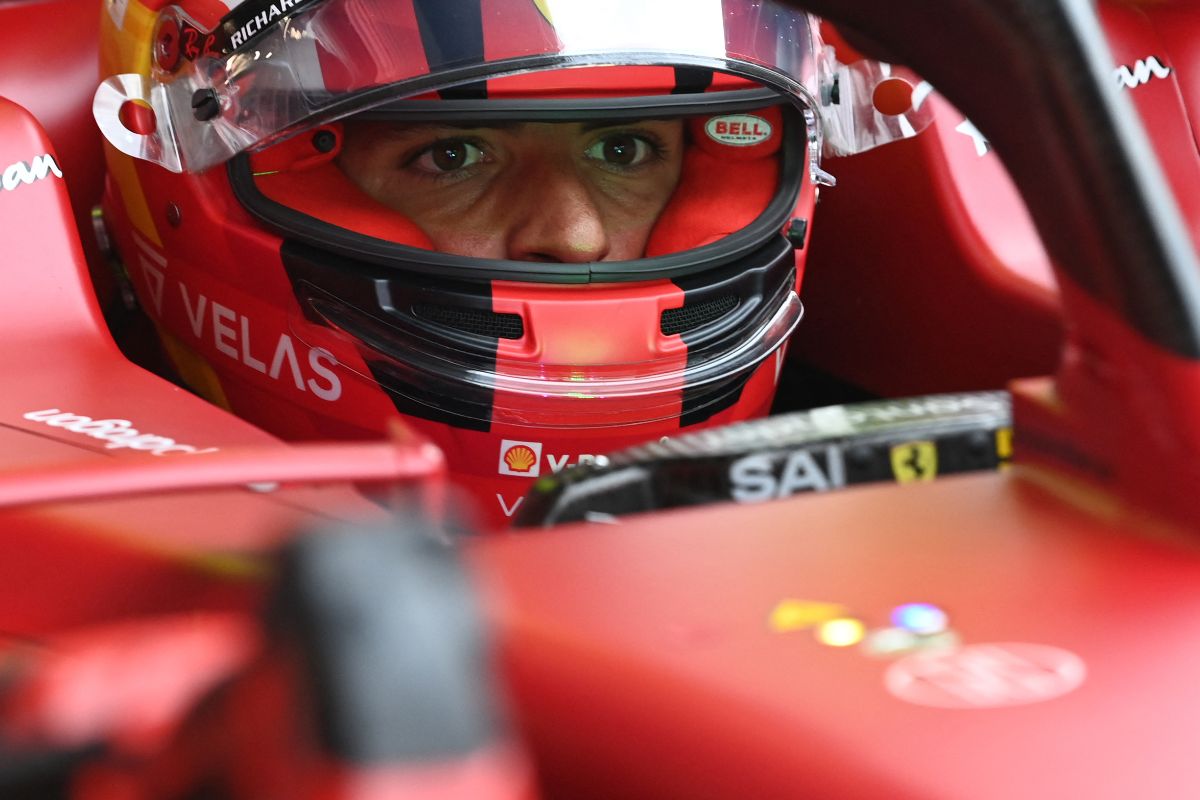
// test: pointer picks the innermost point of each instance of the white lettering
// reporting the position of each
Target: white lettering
(1143, 72)
(504, 506)
(285, 350)
(752, 479)
(260, 21)
(221, 332)
(334, 390)
(154, 279)
(110, 427)
(967, 128)
(20, 173)
(232, 336)
(247, 359)
(117, 433)
(801, 473)
(559, 463)
(196, 317)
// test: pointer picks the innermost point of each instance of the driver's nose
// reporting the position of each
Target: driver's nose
(554, 218)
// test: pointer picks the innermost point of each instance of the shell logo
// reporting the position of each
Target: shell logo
(522, 459)
(519, 459)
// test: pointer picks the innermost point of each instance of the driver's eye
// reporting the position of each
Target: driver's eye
(621, 150)
(448, 155)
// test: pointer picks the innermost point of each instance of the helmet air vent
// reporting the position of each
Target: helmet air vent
(473, 320)
(694, 315)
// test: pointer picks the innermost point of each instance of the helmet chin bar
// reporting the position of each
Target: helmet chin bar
(436, 346)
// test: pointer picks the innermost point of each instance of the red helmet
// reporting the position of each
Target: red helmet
(536, 230)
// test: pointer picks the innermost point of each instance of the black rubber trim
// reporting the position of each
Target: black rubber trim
(303, 228)
(451, 33)
(760, 285)
(690, 316)
(327, 286)
(692, 79)
(617, 109)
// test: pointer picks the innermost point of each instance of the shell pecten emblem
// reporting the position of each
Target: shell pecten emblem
(520, 458)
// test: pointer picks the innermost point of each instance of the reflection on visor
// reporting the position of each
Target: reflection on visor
(269, 69)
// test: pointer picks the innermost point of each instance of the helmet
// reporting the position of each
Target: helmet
(535, 230)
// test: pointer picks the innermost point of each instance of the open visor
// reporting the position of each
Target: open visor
(271, 67)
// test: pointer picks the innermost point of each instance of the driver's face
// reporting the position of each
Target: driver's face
(536, 191)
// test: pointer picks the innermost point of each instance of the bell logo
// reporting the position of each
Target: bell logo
(523, 459)
(739, 130)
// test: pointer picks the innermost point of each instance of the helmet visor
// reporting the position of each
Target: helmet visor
(563, 190)
(271, 66)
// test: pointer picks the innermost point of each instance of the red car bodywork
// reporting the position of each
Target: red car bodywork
(647, 659)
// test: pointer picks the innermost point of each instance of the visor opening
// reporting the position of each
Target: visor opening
(695, 315)
(473, 320)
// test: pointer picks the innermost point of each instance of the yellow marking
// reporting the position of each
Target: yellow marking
(194, 370)
(543, 7)
(1004, 443)
(914, 461)
(123, 171)
(127, 50)
(230, 565)
(227, 565)
(841, 632)
(796, 615)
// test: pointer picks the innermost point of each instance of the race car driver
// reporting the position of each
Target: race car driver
(534, 231)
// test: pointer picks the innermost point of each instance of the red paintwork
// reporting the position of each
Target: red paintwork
(948, 288)
(655, 633)
(64, 33)
(145, 555)
(134, 561)
(655, 636)
(1166, 32)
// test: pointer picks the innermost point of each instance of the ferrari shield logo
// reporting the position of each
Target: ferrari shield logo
(914, 461)
(986, 675)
